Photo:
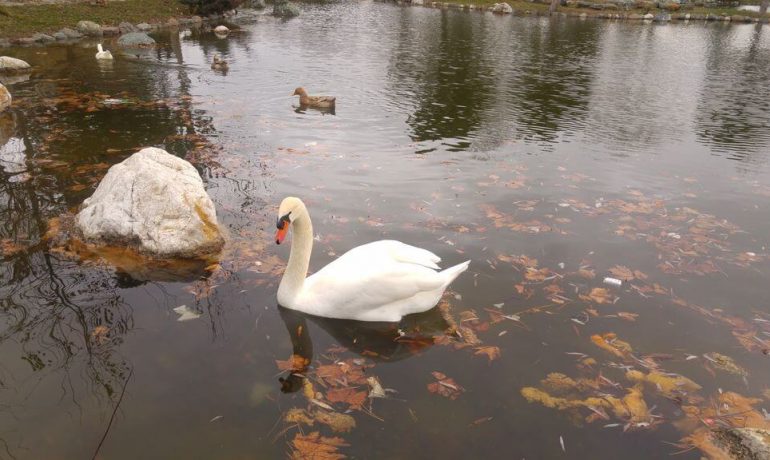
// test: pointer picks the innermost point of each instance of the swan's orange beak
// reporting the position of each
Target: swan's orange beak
(282, 224)
(280, 234)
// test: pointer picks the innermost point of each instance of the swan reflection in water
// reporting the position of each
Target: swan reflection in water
(377, 341)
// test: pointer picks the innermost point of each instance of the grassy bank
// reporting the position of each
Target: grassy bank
(19, 21)
(541, 6)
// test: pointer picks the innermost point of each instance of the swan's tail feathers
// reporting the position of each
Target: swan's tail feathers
(453, 272)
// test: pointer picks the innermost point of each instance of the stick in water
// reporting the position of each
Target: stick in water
(112, 417)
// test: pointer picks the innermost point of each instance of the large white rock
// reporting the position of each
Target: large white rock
(502, 8)
(5, 98)
(155, 203)
(9, 64)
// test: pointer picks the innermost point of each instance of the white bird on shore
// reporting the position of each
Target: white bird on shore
(102, 54)
(379, 281)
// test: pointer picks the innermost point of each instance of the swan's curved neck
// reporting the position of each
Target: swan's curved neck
(299, 259)
(99, 47)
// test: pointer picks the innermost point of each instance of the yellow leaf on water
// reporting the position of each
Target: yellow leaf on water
(611, 343)
(669, 385)
(340, 423)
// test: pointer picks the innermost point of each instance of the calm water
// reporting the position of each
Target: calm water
(586, 145)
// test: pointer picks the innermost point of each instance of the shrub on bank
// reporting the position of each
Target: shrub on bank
(206, 7)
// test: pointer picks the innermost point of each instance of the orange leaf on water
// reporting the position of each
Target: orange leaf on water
(316, 447)
(492, 353)
(350, 396)
(294, 363)
(598, 295)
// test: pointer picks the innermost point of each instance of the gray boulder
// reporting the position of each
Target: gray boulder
(126, 27)
(60, 36)
(144, 27)
(155, 203)
(43, 38)
(5, 98)
(90, 28)
(23, 41)
(136, 40)
(110, 31)
(13, 65)
(71, 33)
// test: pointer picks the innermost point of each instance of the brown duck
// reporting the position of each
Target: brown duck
(314, 101)
(219, 64)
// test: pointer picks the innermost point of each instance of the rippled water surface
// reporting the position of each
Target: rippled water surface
(550, 153)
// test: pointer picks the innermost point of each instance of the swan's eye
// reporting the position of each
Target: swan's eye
(282, 221)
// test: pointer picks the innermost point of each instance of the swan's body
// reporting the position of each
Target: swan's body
(102, 54)
(379, 281)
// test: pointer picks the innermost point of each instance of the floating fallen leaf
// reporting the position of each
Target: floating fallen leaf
(611, 343)
(623, 273)
(492, 353)
(445, 386)
(627, 316)
(186, 314)
(294, 363)
(296, 415)
(350, 396)
(669, 385)
(316, 447)
(339, 423)
(376, 390)
(598, 295)
(725, 363)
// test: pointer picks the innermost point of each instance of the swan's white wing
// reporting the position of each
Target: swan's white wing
(348, 292)
(369, 277)
(397, 251)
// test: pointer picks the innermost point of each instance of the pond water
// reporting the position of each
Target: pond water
(549, 153)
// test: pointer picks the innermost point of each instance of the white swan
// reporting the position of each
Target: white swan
(379, 281)
(102, 54)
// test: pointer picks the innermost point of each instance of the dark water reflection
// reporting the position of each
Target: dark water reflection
(471, 135)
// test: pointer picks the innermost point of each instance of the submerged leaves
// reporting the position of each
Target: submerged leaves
(445, 386)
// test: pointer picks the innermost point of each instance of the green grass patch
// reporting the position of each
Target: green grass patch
(19, 21)
(523, 5)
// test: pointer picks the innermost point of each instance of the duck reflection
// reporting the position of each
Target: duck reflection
(377, 341)
(324, 110)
